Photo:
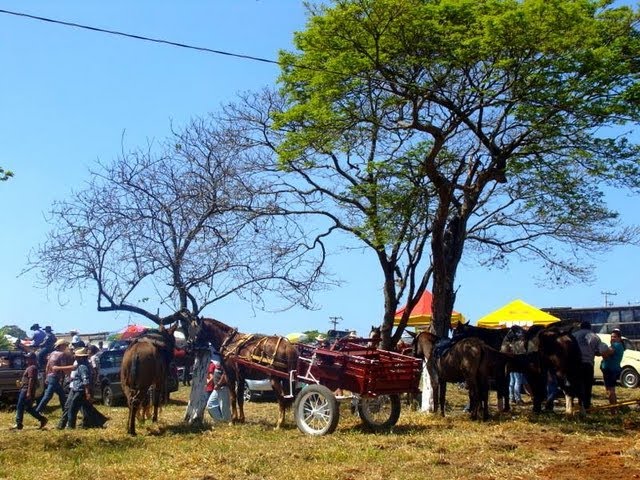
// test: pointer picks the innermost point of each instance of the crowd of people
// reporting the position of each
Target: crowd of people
(67, 365)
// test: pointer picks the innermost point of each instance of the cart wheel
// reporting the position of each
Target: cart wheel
(316, 410)
(379, 413)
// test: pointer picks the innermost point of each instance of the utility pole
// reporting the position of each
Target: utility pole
(606, 298)
(334, 321)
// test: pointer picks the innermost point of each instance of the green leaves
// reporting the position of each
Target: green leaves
(5, 174)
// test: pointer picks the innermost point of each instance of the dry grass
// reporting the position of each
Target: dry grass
(518, 445)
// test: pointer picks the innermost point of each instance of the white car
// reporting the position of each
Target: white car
(258, 389)
(629, 376)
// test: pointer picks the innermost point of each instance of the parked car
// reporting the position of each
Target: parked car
(261, 389)
(12, 365)
(108, 388)
(258, 389)
(629, 376)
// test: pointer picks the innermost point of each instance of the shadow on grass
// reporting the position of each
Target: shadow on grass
(182, 428)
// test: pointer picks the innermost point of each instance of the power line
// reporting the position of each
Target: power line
(140, 37)
(381, 82)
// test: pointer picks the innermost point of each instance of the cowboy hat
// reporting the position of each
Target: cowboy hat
(81, 352)
(35, 326)
(47, 329)
(59, 342)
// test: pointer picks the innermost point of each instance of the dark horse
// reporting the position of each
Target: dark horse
(560, 357)
(145, 364)
(469, 360)
(542, 353)
(248, 356)
(494, 338)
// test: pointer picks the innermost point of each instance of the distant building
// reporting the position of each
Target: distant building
(85, 337)
(604, 319)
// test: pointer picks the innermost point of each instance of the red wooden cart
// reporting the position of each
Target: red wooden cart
(371, 379)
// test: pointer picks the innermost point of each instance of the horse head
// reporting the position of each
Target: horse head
(194, 332)
(202, 331)
(423, 344)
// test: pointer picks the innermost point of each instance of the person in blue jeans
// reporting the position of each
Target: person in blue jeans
(516, 381)
(218, 404)
(27, 394)
(552, 390)
(55, 375)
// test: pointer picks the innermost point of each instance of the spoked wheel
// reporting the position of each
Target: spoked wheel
(379, 413)
(316, 410)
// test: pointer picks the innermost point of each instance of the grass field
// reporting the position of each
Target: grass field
(422, 446)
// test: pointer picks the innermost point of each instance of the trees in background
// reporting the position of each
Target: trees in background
(5, 174)
(13, 331)
(429, 128)
(421, 129)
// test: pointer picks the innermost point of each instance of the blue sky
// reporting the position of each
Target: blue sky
(67, 97)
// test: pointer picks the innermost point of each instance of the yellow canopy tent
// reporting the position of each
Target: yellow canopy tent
(420, 316)
(516, 313)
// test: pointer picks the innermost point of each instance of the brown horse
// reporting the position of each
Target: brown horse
(546, 354)
(560, 356)
(248, 356)
(469, 360)
(145, 365)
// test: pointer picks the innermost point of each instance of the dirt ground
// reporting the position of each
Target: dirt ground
(612, 459)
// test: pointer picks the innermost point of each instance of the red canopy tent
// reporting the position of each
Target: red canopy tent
(420, 316)
(132, 331)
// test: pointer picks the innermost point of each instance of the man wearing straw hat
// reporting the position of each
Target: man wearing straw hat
(80, 390)
(54, 376)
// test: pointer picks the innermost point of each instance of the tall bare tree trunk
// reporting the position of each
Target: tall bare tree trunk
(198, 400)
(427, 404)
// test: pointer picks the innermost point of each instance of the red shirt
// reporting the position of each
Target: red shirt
(210, 371)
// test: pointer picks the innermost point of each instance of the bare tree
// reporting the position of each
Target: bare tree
(176, 227)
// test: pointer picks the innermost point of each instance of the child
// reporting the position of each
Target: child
(28, 393)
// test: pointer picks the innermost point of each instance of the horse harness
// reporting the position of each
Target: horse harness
(257, 353)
